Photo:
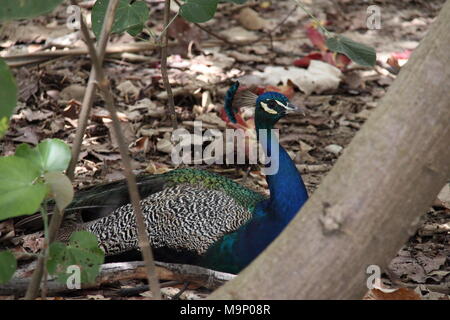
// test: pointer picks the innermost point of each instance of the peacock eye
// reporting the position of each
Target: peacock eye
(272, 104)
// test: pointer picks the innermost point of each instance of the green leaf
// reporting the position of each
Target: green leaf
(25, 151)
(198, 10)
(135, 30)
(3, 126)
(61, 188)
(49, 155)
(20, 9)
(21, 192)
(8, 265)
(357, 52)
(55, 256)
(128, 17)
(82, 251)
(8, 96)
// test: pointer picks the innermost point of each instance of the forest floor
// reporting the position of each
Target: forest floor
(201, 67)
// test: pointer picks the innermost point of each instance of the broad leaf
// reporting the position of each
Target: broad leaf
(61, 188)
(49, 155)
(8, 96)
(21, 192)
(82, 251)
(129, 17)
(21, 9)
(357, 52)
(32, 154)
(198, 10)
(8, 265)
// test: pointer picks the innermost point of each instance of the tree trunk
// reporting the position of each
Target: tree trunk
(371, 201)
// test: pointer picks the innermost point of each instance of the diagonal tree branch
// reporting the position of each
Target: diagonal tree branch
(33, 289)
(144, 243)
(90, 90)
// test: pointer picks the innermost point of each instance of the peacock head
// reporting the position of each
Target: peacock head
(271, 107)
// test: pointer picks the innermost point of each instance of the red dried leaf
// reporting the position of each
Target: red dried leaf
(223, 115)
(328, 57)
(316, 38)
(399, 294)
(240, 122)
(404, 55)
(259, 90)
(393, 62)
(342, 61)
(338, 60)
(304, 62)
(288, 91)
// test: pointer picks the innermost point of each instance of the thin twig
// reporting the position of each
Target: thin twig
(273, 29)
(216, 35)
(165, 77)
(212, 33)
(41, 57)
(45, 250)
(144, 243)
(318, 23)
(163, 32)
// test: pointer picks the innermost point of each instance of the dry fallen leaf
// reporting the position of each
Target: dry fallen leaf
(127, 131)
(250, 19)
(156, 168)
(211, 118)
(444, 196)
(140, 145)
(164, 145)
(399, 294)
(334, 149)
(106, 157)
(35, 115)
(239, 34)
(185, 34)
(246, 57)
(74, 91)
(7, 229)
(27, 135)
(127, 88)
(152, 109)
(319, 77)
(34, 242)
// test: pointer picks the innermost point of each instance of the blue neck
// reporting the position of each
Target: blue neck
(287, 195)
(287, 190)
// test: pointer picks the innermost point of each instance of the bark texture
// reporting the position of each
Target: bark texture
(371, 201)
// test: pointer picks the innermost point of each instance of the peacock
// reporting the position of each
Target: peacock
(198, 217)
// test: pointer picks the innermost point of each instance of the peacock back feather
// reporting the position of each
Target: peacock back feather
(186, 211)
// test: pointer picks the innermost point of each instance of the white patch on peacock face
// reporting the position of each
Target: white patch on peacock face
(267, 109)
(288, 106)
(281, 104)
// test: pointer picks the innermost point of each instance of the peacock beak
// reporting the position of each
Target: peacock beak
(292, 108)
